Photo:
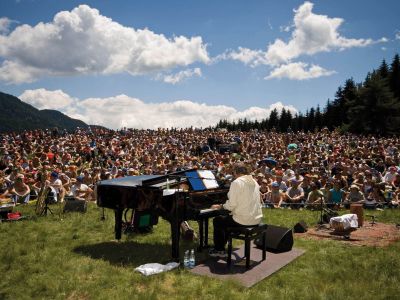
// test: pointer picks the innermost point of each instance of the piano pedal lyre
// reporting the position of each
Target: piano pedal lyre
(187, 232)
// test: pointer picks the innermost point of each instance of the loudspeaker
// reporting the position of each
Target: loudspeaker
(300, 227)
(279, 239)
(75, 205)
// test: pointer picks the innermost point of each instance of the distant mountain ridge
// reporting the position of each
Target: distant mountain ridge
(16, 115)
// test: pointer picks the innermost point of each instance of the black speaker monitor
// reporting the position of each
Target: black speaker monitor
(300, 227)
(74, 205)
(279, 239)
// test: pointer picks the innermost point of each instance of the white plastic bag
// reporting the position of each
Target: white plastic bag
(155, 268)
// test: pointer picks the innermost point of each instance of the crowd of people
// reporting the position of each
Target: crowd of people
(293, 169)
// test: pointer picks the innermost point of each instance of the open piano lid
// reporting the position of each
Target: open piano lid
(143, 180)
(128, 181)
(198, 179)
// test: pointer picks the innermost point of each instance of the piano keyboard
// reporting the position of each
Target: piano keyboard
(207, 210)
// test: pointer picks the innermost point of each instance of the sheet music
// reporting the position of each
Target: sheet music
(208, 179)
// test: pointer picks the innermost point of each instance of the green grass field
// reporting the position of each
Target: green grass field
(75, 257)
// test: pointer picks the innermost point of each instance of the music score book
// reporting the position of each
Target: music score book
(201, 180)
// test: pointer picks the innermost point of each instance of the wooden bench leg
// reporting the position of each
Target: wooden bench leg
(247, 252)
(206, 232)
(264, 245)
(229, 258)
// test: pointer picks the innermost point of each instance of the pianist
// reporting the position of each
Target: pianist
(244, 205)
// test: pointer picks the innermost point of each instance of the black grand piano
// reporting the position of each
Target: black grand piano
(175, 197)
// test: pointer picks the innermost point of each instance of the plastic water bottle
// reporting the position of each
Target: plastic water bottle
(192, 259)
(186, 259)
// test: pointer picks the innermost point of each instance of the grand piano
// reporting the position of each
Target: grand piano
(176, 197)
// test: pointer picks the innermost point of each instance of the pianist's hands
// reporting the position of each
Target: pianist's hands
(216, 206)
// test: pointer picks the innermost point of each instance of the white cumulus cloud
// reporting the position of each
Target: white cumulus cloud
(299, 71)
(124, 111)
(180, 76)
(5, 25)
(285, 28)
(44, 99)
(397, 35)
(83, 41)
(247, 56)
(311, 33)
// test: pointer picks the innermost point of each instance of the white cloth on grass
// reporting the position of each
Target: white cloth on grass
(348, 221)
(155, 268)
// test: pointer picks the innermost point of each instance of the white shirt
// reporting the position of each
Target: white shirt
(389, 177)
(82, 188)
(244, 201)
(56, 184)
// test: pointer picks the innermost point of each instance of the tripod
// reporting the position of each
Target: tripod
(46, 208)
(324, 218)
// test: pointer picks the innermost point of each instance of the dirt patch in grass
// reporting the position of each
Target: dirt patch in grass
(376, 235)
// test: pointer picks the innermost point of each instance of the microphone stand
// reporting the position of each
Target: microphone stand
(321, 209)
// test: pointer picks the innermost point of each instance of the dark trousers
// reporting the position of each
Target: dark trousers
(221, 223)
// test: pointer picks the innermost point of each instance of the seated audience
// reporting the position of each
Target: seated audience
(354, 196)
(336, 195)
(275, 197)
(295, 195)
(19, 192)
(81, 191)
(315, 198)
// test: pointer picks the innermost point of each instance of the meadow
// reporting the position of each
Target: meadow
(74, 256)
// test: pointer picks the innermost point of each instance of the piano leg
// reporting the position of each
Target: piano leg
(201, 233)
(206, 232)
(175, 235)
(118, 223)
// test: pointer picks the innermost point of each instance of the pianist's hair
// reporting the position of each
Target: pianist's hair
(240, 168)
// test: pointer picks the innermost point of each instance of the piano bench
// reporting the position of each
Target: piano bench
(247, 234)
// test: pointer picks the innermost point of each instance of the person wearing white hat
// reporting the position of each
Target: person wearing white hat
(390, 175)
(354, 196)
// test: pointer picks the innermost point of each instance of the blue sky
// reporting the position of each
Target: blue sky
(147, 64)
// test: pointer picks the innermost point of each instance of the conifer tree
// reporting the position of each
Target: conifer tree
(311, 119)
(282, 121)
(383, 70)
(318, 117)
(328, 116)
(394, 77)
(376, 110)
(273, 119)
